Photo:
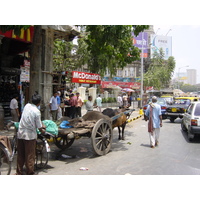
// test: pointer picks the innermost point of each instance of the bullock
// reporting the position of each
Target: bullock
(119, 122)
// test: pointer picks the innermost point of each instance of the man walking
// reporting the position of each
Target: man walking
(99, 103)
(154, 115)
(27, 135)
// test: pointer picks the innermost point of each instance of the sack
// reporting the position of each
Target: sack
(51, 127)
(59, 113)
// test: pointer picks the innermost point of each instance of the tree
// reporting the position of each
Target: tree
(160, 71)
(108, 47)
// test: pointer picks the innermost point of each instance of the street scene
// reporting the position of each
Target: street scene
(74, 102)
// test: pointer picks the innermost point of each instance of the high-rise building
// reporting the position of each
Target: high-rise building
(191, 76)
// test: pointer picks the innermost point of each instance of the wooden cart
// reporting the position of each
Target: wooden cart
(99, 130)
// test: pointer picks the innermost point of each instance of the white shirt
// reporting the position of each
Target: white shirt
(89, 105)
(99, 100)
(13, 104)
(30, 121)
(54, 103)
(120, 100)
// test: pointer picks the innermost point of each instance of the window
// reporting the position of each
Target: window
(197, 110)
(190, 108)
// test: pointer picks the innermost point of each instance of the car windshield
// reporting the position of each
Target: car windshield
(197, 110)
(182, 101)
(160, 101)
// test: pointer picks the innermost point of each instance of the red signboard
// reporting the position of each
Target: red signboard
(26, 35)
(111, 84)
(84, 77)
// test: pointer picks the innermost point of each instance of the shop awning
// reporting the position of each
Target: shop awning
(26, 35)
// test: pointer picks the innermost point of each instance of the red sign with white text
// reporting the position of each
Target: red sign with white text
(86, 78)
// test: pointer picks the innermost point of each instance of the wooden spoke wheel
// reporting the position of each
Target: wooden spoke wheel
(102, 135)
(63, 142)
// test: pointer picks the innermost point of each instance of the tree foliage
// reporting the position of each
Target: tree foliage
(160, 71)
(108, 47)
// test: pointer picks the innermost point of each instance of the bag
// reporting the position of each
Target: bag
(64, 124)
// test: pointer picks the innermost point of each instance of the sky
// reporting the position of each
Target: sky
(185, 45)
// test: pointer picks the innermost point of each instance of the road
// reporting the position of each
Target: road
(133, 156)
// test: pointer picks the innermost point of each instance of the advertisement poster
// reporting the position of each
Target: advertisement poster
(161, 41)
(25, 72)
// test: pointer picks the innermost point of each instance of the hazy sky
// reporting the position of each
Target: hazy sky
(185, 45)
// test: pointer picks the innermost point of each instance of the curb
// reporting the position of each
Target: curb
(130, 120)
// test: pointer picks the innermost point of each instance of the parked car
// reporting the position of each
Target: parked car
(178, 108)
(162, 102)
(191, 120)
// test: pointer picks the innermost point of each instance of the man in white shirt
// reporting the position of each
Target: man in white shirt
(27, 135)
(14, 111)
(89, 104)
(99, 102)
(53, 105)
(120, 101)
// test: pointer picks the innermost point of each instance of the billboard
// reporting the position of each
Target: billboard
(161, 41)
(141, 41)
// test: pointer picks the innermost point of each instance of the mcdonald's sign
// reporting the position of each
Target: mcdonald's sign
(26, 35)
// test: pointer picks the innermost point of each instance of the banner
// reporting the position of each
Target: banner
(84, 77)
(141, 41)
(113, 84)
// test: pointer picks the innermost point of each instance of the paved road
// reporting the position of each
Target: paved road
(174, 156)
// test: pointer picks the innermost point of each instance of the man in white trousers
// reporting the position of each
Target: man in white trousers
(154, 115)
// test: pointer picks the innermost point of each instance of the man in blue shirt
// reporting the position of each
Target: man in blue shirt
(154, 115)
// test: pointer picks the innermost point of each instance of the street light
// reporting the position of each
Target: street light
(179, 74)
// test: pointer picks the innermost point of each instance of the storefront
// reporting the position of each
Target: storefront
(14, 67)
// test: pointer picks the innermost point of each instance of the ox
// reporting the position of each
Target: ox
(119, 122)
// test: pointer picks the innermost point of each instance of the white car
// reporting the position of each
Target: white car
(191, 120)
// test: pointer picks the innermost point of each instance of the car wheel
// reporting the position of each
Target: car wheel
(172, 119)
(183, 126)
(190, 135)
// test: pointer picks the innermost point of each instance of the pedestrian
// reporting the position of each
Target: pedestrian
(154, 115)
(129, 99)
(125, 101)
(99, 103)
(120, 101)
(53, 105)
(27, 135)
(14, 109)
(59, 115)
(73, 103)
(89, 104)
(78, 105)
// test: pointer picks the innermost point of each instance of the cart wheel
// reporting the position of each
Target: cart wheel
(42, 156)
(102, 135)
(63, 142)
